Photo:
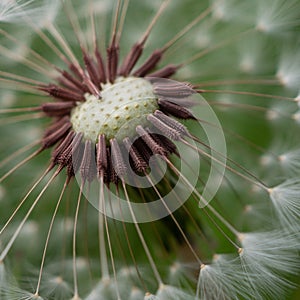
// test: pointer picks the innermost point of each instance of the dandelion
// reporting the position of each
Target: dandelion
(136, 159)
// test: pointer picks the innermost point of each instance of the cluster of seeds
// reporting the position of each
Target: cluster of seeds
(93, 115)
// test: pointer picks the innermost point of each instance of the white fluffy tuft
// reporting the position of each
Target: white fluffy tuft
(105, 289)
(172, 293)
(55, 287)
(277, 16)
(286, 200)
(39, 12)
(222, 280)
(15, 293)
(266, 258)
(149, 296)
(136, 294)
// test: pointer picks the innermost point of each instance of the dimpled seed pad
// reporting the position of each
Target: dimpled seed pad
(123, 105)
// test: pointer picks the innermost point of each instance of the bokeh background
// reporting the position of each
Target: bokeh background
(256, 55)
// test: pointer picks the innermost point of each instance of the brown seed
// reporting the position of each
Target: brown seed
(100, 66)
(62, 93)
(131, 59)
(91, 68)
(88, 167)
(171, 133)
(66, 156)
(175, 110)
(139, 163)
(57, 109)
(102, 163)
(172, 123)
(117, 159)
(151, 143)
(112, 60)
(165, 72)
(149, 64)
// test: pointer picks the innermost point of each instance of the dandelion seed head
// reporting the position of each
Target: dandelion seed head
(126, 100)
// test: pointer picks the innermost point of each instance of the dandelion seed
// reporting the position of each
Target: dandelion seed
(56, 287)
(264, 255)
(222, 280)
(15, 293)
(285, 198)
